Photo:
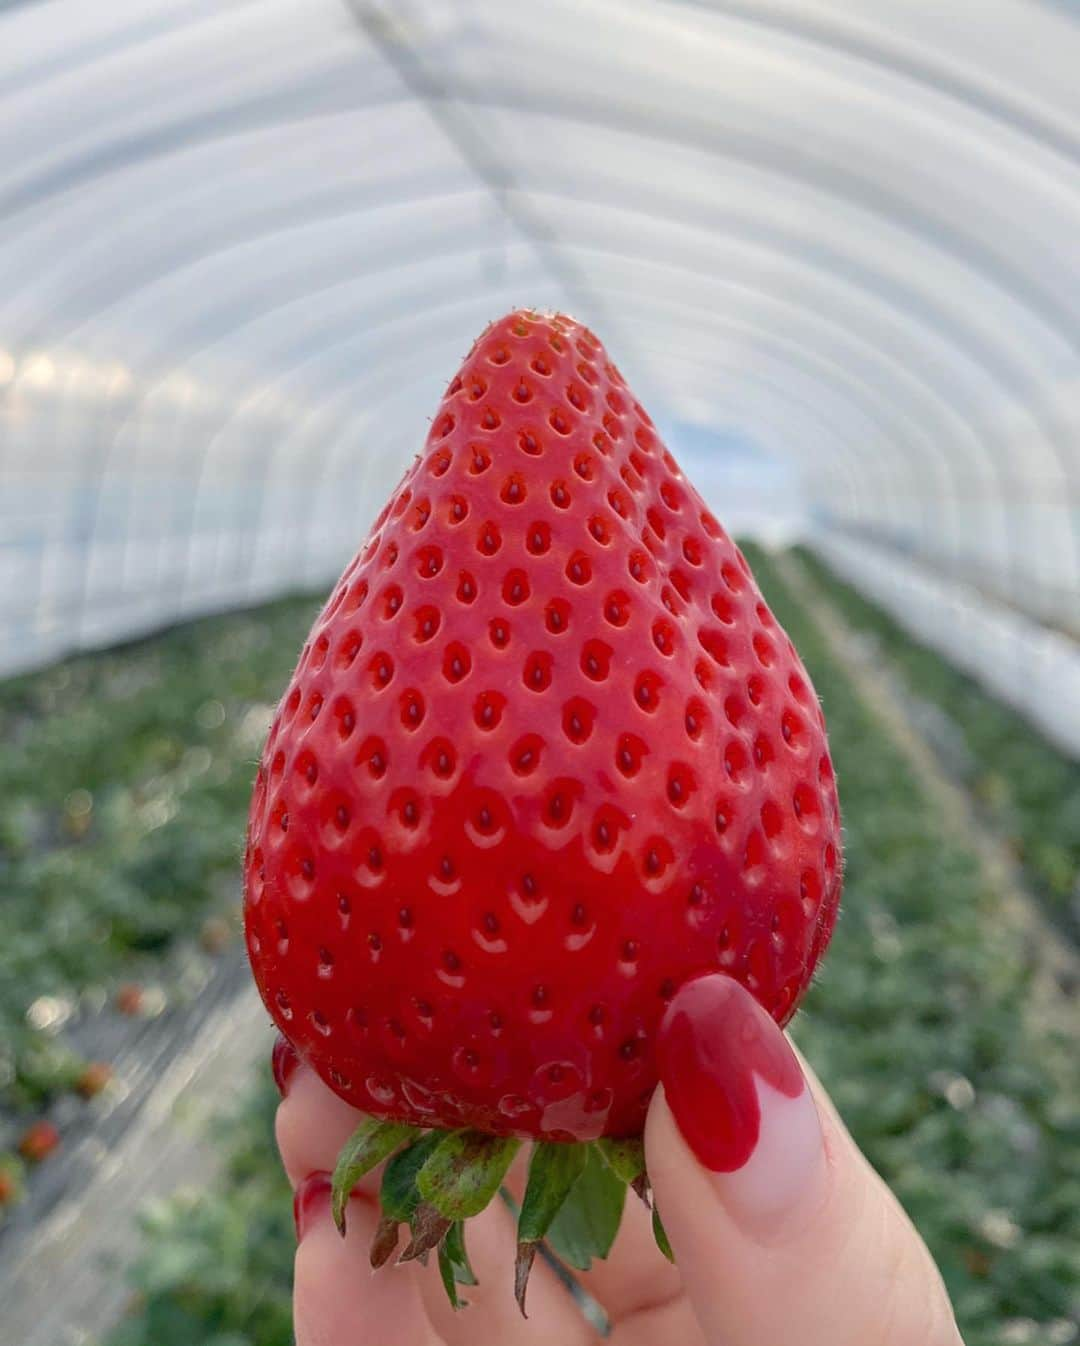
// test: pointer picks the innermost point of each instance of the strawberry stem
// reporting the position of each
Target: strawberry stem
(586, 1223)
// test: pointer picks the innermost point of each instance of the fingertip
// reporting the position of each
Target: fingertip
(781, 1229)
(337, 1298)
(721, 1056)
(311, 1202)
(283, 1063)
(311, 1125)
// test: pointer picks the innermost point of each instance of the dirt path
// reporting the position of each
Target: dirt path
(1055, 961)
(62, 1273)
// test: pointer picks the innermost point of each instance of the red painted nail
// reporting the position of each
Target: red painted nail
(283, 1061)
(715, 1049)
(311, 1202)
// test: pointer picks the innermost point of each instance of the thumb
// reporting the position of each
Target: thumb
(782, 1231)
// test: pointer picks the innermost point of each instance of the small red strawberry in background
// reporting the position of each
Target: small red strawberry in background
(38, 1141)
(129, 999)
(215, 935)
(93, 1079)
(546, 755)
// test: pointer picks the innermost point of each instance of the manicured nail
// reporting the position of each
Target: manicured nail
(740, 1099)
(311, 1203)
(283, 1062)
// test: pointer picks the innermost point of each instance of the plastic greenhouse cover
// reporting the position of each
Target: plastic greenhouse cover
(242, 245)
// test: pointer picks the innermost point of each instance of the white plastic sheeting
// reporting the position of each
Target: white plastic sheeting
(244, 242)
(1033, 669)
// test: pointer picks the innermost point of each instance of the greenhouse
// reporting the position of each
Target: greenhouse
(832, 248)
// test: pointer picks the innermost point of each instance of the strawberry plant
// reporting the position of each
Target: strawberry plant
(123, 775)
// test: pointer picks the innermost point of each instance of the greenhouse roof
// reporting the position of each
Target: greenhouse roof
(247, 243)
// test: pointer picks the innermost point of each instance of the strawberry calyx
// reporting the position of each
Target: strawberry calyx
(436, 1180)
(371, 1143)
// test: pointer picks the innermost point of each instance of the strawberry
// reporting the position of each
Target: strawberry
(546, 755)
(129, 999)
(215, 934)
(38, 1141)
(93, 1079)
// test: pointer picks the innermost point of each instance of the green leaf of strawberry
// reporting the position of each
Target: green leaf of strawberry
(465, 1171)
(587, 1222)
(369, 1145)
(399, 1196)
(625, 1157)
(553, 1171)
(660, 1234)
(454, 1265)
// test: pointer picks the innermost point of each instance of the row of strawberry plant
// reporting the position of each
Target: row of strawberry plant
(125, 777)
(921, 1025)
(963, 1095)
(1027, 787)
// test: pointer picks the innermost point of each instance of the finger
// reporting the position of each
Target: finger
(639, 1289)
(674, 1321)
(337, 1299)
(312, 1124)
(782, 1231)
(493, 1315)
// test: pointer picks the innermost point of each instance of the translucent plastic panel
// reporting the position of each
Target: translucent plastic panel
(243, 244)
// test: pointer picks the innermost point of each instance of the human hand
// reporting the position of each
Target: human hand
(783, 1234)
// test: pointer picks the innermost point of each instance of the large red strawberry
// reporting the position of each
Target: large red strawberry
(546, 755)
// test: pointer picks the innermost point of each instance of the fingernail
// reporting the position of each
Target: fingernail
(283, 1062)
(311, 1203)
(740, 1099)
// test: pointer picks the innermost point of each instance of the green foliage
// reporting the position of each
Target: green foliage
(464, 1172)
(398, 1194)
(553, 1171)
(588, 1220)
(660, 1234)
(1029, 789)
(625, 1157)
(371, 1143)
(125, 778)
(454, 1265)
